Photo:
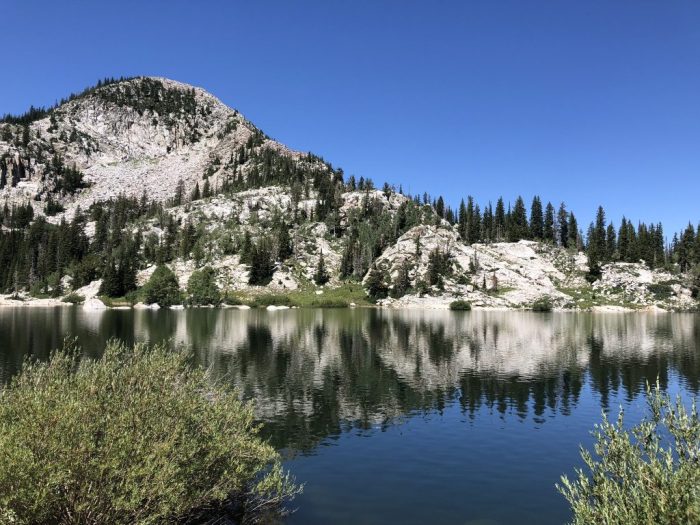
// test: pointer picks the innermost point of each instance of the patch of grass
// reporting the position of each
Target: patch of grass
(585, 298)
(329, 302)
(332, 297)
(233, 299)
(501, 290)
(115, 302)
(460, 305)
(270, 299)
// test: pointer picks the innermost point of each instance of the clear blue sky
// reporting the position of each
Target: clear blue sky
(590, 102)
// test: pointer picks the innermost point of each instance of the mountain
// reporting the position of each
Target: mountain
(130, 137)
(136, 173)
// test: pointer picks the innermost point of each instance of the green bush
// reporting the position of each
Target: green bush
(661, 291)
(543, 304)
(649, 474)
(73, 298)
(137, 436)
(264, 300)
(162, 288)
(460, 305)
(202, 289)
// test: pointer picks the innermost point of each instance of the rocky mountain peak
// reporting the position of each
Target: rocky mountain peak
(130, 136)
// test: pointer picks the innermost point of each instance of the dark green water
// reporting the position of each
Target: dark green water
(410, 417)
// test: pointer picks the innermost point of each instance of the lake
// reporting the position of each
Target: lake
(410, 416)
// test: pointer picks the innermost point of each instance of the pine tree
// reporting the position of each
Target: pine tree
(196, 195)
(438, 267)
(623, 241)
(246, 256)
(633, 252)
(179, 193)
(261, 265)
(402, 282)
(685, 249)
(610, 243)
(162, 288)
(376, 287)
(518, 226)
(595, 255)
(659, 259)
(475, 225)
(202, 288)
(348, 257)
(487, 224)
(549, 223)
(127, 274)
(564, 227)
(440, 207)
(111, 287)
(499, 221)
(321, 276)
(599, 235)
(536, 219)
(469, 227)
(284, 242)
(188, 238)
(462, 220)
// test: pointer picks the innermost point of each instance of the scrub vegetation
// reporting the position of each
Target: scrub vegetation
(137, 436)
(647, 474)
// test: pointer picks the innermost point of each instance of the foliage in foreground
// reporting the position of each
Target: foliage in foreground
(137, 436)
(649, 474)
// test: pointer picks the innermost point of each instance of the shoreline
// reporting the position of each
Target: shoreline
(96, 305)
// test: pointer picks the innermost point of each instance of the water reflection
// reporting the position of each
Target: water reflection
(317, 373)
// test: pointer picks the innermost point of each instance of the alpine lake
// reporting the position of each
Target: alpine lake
(409, 416)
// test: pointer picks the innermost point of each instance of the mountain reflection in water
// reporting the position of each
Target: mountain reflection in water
(317, 373)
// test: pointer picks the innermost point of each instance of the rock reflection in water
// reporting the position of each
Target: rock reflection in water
(316, 373)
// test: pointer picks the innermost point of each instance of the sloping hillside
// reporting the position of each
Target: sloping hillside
(145, 172)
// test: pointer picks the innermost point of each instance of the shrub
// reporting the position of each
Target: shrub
(137, 436)
(460, 305)
(202, 289)
(162, 288)
(73, 298)
(661, 291)
(543, 304)
(264, 300)
(648, 474)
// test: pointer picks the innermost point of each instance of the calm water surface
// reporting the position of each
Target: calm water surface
(410, 417)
